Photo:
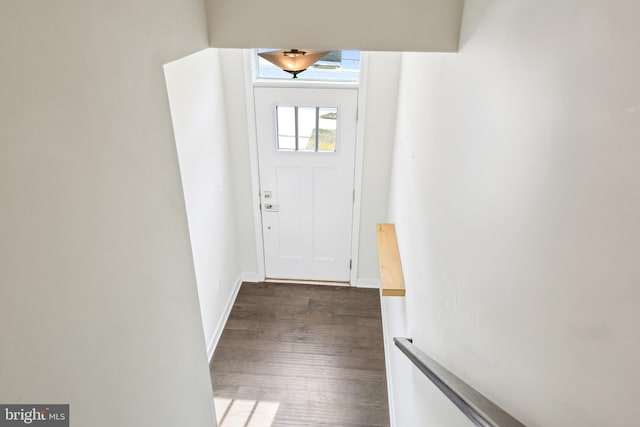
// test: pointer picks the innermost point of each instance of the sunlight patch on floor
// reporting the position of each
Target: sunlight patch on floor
(245, 413)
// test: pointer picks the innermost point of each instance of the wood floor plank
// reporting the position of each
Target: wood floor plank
(314, 352)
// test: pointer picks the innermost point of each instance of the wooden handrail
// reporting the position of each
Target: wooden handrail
(391, 277)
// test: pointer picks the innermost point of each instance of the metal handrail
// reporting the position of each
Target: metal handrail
(480, 410)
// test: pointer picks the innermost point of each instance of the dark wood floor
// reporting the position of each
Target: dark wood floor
(314, 353)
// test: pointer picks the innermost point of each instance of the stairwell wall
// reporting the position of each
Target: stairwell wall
(199, 116)
(515, 196)
(98, 298)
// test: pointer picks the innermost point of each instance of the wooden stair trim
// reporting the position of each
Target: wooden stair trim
(391, 277)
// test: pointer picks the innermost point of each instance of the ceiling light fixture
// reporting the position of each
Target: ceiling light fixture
(293, 61)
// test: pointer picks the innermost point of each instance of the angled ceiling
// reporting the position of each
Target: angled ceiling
(373, 25)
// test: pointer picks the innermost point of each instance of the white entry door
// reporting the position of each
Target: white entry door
(306, 151)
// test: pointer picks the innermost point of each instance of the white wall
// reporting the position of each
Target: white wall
(426, 25)
(235, 83)
(515, 194)
(381, 86)
(199, 117)
(98, 299)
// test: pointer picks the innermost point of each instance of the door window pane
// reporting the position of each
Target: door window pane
(327, 123)
(307, 129)
(286, 120)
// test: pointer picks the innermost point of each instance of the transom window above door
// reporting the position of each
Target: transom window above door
(336, 66)
(306, 129)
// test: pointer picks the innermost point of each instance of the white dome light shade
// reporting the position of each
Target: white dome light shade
(294, 61)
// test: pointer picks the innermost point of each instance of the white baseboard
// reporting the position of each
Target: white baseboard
(366, 283)
(387, 357)
(306, 282)
(211, 347)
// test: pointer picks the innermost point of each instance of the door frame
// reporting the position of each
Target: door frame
(250, 84)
